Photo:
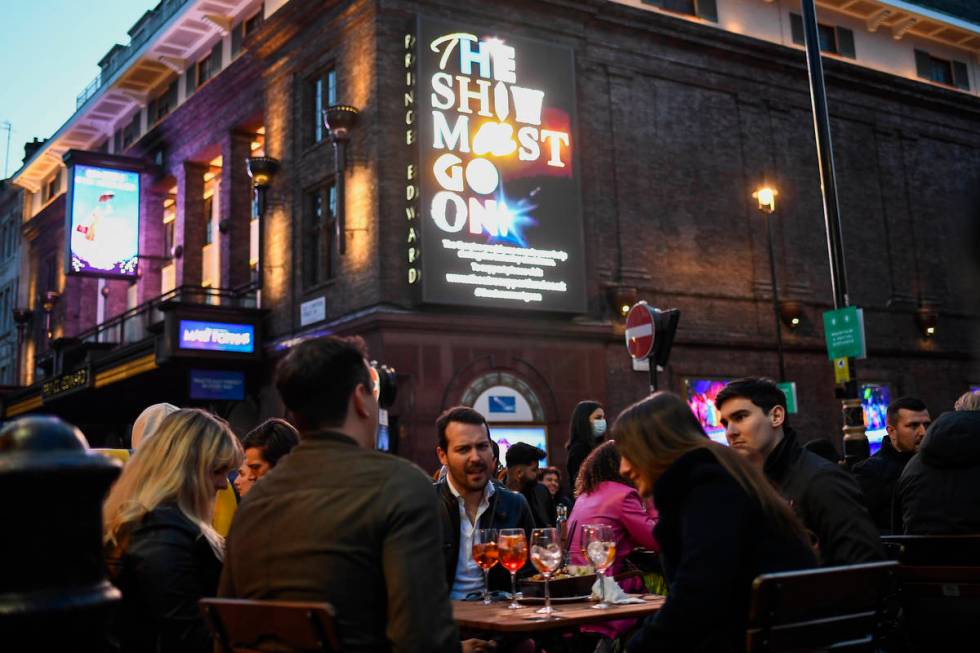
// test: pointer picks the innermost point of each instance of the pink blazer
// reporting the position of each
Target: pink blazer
(620, 507)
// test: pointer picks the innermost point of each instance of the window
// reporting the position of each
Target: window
(163, 104)
(319, 231)
(52, 187)
(706, 9)
(209, 66)
(942, 71)
(322, 91)
(209, 220)
(833, 40)
(131, 131)
(243, 30)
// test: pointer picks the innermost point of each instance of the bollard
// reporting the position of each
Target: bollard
(54, 594)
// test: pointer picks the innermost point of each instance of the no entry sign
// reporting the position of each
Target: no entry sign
(640, 331)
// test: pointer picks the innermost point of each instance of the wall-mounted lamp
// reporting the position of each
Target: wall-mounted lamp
(926, 318)
(22, 317)
(791, 313)
(767, 199)
(261, 169)
(339, 120)
(621, 299)
(47, 304)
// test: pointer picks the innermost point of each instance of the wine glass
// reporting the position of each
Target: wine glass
(546, 557)
(600, 549)
(486, 555)
(512, 550)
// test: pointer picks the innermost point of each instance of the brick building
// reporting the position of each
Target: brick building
(678, 112)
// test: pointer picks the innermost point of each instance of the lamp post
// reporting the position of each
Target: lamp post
(261, 169)
(21, 317)
(51, 298)
(767, 205)
(339, 119)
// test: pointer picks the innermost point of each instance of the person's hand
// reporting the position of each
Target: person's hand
(474, 645)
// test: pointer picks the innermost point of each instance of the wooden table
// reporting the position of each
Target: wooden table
(473, 615)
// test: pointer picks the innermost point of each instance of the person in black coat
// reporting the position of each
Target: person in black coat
(906, 421)
(826, 498)
(161, 549)
(939, 491)
(721, 525)
(586, 431)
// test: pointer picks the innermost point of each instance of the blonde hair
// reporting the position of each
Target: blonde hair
(968, 401)
(654, 432)
(176, 464)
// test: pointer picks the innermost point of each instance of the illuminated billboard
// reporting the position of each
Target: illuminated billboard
(216, 336)
(701, 395)
(102, 221)
(492, 194)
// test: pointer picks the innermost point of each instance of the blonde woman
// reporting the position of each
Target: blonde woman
(162, 550)
(720, 525)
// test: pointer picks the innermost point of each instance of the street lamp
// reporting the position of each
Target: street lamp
(261, 169)
(339, 120)
(767, 205)
(47, 304)
(21, 317)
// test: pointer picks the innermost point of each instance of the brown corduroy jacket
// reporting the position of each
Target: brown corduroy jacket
(356, 528)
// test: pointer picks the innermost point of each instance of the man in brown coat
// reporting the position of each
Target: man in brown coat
(338, 522)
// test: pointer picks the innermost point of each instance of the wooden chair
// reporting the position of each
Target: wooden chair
(839, 608)
(242, 626)
(939, 587)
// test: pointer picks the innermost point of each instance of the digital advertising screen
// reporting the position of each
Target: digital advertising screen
(493, 194)
(228, 385)
(507, 436)
(102, 222)
(700, 395)
(875, 398)
(216, 336)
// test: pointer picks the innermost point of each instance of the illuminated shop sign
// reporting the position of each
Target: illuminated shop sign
(102, 222)
(493, 200)
(217, 384)
(217, 336)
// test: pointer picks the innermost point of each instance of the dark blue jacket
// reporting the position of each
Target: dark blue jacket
(877, 477)
(714, 539)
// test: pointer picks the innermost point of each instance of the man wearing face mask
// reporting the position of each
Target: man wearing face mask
(523, 462)
(586, 431)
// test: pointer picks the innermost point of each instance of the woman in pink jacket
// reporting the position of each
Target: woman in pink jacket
(602, 496)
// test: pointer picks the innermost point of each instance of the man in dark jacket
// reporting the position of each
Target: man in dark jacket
(939, 491)
(469, 501)
(906, 422)
(753, 412)
(338, 522)
(523, 461)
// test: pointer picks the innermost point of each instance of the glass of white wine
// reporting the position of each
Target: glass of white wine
(546, 555)
(600, 549)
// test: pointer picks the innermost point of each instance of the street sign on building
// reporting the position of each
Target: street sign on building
(844, 333)
(789, 389)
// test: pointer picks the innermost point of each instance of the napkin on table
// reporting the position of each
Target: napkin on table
(613, 592)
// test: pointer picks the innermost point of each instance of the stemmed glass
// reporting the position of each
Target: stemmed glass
(486, 555)
(512, 549)
(600, 549)
(546, 557)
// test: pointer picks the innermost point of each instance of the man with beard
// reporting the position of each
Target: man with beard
(469, 501)
(522, 476)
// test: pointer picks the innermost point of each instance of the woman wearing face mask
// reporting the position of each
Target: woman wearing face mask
(587, 431)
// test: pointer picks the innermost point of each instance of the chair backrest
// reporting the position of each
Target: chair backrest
(939, 586)
(835, 607)
(242, 625)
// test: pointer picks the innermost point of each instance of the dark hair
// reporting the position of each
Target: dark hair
(654, 432)
(522, 453)
(762, 392)
(496, 450)
(274, 437)
(600, 465)
(580, 428)
(465, 415)
(317, 378)
(550, 470)
(903, 403)
(824, 448)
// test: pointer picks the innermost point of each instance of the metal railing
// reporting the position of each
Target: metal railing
(134, 325)
(167, 9)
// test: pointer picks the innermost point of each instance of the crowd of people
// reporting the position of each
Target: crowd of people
(324, 517)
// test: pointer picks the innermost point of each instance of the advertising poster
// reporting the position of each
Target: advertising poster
(496, 219)
(103, 222)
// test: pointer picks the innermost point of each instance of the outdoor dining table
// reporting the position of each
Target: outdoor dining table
(497, 618)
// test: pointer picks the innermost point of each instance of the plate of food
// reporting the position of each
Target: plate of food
(572, 582)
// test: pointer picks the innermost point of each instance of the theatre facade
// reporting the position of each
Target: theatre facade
(494, 183)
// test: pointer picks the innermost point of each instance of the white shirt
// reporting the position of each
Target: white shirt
(469, 576)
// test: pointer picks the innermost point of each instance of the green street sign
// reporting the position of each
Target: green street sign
(789, 389)
(844, 332)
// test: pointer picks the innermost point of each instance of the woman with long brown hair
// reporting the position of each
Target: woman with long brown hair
(162, 550)
(720, 525)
